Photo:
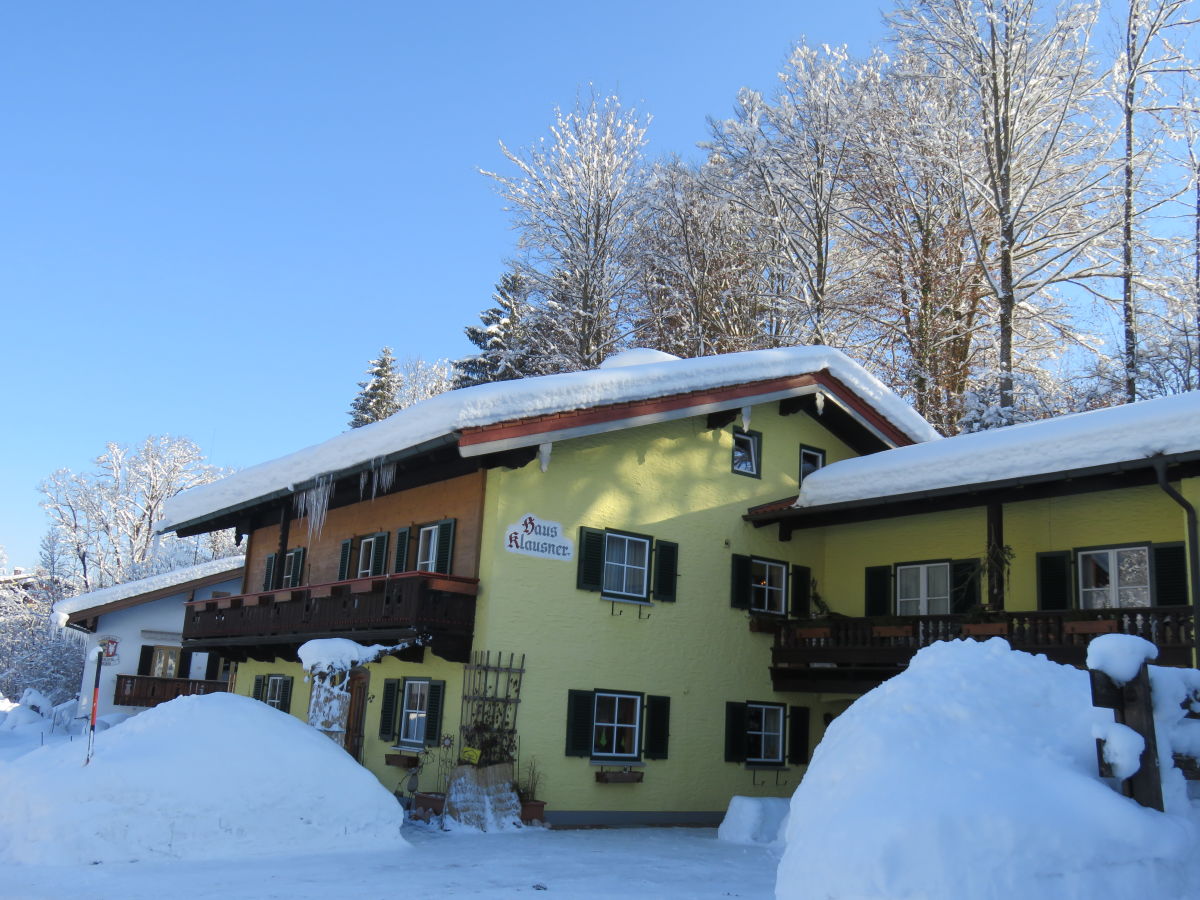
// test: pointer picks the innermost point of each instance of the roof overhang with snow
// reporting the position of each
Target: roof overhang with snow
(1099, 450)
(503, 423)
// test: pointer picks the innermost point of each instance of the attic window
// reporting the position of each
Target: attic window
(747, 453)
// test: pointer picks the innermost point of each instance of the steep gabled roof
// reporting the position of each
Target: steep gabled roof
(1076, 452)
(500, 416)
(145, 590)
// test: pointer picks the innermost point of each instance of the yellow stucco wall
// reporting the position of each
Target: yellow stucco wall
(671, 481)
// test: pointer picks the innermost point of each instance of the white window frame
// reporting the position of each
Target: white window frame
(291, 578)
(773, 718)
(765, 596)
(414, 712)
(753, 441)
(927, 604)
(427, 548)
(614, 727)
(813, 453)
(273, 691)
(1119, 592)
(619, 577)
(366, 556)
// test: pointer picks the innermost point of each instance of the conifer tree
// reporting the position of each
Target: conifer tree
(376, 398)
(502, 337)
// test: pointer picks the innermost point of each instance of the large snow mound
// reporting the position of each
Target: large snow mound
(200, 777)
(973, 774)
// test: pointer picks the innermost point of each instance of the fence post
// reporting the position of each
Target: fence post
(1133, 707)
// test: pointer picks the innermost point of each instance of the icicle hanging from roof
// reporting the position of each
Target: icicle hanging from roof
(820, 402)
(382, 475)
(313, 503)
(745, 418)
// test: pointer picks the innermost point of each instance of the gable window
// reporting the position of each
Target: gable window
(411, 712)
(617, 725)
(768, 586)
(626, 566)
(811, 459)
(923, 589)
(1114, 578)
(274, 690)
(766, 734)
(747, 453)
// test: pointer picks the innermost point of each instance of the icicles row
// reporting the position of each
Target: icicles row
(313, 503)
(381, 475)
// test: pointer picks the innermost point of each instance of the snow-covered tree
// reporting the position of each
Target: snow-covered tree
(1034, 176)
(574, 201)
(507, 348)
(33, 652)
(102, 521)
(419, 380)
(377, 395)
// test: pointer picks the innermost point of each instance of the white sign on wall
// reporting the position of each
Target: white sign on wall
(532, 536)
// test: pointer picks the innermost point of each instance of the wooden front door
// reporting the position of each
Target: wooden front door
(356, 714)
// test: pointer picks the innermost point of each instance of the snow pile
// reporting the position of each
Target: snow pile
(199, 777)
(33, 709)
(436, 420)
(636, 356)
(754, 820)
(1175, 692)
(1120, 656)
(1118, 434)
(973, 774)
(340, 654)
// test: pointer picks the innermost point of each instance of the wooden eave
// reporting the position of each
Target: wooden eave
(850, 417)
(186, 587)
(1106, 477)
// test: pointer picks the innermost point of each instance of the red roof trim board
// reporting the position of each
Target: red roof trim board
(515, 429)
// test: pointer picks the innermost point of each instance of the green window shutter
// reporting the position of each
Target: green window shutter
(878, 591)
(185, 664)
(797, 735)
(402, 541)
(1170, 575)
(433, 713)
(387, 710)
(666, 569)
(735, 732)
(145, 660)
(294, 566)
(260, 684)
(285, 695)
(590, 575)
(739, 582)
(379, 553)
(580, 709)
(1054, 580)
(344, 561)
(445, 547)
(269, 573)
(964, 585)
(801, 592)
(658, 726)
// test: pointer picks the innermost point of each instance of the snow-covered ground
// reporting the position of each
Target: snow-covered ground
(970, 776)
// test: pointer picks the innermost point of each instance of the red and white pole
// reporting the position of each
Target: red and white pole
(98, 653)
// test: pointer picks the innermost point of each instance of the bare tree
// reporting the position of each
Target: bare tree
(103, 521)
(575, 202)
(1032, 180)
(419, 380)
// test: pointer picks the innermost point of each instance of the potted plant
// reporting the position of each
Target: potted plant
(527, 788)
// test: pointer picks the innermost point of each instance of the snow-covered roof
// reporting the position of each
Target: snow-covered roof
(154, 583)
(440, 418)
(1118, 434)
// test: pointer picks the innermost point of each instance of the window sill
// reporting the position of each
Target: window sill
(630, 600)
(766, 767)
(623, 763)
(410, 748)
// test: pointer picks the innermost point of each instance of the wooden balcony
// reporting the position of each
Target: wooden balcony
(385, 609)
(843, 654)
(147, 690)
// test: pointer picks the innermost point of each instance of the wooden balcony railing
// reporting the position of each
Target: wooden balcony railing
(147, 690)
(442, 606)
(855, 654)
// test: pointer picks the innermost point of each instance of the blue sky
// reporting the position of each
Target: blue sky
(215, 214)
